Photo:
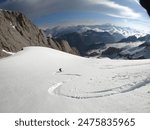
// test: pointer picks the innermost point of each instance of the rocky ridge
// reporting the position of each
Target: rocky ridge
(17, 31)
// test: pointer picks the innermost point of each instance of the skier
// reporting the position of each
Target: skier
(60, 69)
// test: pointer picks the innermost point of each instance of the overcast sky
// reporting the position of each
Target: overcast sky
(48, 13)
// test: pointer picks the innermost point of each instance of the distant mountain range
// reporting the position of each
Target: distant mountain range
(86, 38)
(112, 29)
(139, 50)
(133, 38)
(83, 41)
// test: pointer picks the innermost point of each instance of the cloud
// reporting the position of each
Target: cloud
(39, 8)
(137, 1)
(117, 9)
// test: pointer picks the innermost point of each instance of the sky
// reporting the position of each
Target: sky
(50, 13)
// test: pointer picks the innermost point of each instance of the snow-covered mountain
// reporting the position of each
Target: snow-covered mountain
(140, 52)
(132, 50)
(112, 29)
(134, 38)
(30, 81)
(85, 38)
(125, 31)
(83, 41)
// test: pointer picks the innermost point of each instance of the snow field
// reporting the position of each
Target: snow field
(30, 82)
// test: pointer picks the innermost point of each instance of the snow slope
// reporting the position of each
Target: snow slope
(30, 82)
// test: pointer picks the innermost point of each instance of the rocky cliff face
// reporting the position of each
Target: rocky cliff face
(17, 31)
(62, 45)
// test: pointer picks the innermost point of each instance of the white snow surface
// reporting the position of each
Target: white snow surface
(30, 82)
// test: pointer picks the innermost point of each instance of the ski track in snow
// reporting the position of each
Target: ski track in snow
(55, 89)
(52, 89)
(108, 85)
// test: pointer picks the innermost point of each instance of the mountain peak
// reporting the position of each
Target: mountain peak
(108, 27)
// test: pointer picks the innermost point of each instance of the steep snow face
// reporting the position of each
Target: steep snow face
(30, 81)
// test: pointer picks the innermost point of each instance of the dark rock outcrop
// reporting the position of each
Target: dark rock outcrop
(111, 52)
(75, 40)
(133, 38)
(17, 31)
(65, 47)
(130, 39)
(145, 44)
(145, 38)
(83, 41)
